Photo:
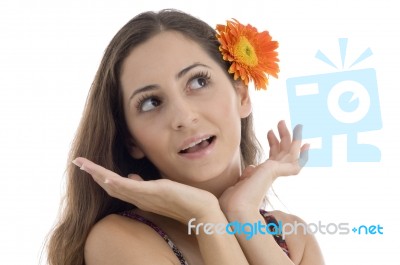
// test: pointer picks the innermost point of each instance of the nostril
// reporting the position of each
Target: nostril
(180, 122)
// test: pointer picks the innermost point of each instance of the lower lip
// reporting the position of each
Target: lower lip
(201, 153)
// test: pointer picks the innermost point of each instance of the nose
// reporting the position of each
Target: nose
(183, 114)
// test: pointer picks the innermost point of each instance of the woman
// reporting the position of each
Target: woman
(164, 108)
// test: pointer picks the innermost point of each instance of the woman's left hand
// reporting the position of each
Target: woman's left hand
(286, 157)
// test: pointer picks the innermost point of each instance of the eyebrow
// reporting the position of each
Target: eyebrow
(178, 76)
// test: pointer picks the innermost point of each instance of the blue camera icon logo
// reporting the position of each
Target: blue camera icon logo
(345, 102)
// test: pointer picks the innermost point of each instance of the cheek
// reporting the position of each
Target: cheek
(228, 118)
(228, 109)
(148, 136)
(143, 138)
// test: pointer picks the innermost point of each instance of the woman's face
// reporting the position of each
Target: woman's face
(182, 110)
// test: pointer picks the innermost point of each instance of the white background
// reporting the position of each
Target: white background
(49, 53)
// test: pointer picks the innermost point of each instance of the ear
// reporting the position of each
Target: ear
(244, 99)
(134, 150)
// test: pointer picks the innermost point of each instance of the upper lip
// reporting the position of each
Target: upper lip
(192, 141)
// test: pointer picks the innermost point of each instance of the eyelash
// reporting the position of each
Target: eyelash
(142, 99)
(202, 74)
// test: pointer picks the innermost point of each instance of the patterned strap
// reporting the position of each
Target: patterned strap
(140, 218)
(269, 219)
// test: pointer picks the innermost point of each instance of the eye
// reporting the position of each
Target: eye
(199, 80)
(148, 103)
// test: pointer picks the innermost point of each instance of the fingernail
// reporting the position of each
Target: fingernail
(77, 163)
(131, 176)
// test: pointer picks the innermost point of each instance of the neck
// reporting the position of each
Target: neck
(229, 177)
(217, 186)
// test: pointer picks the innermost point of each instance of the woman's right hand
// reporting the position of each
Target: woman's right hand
(287, 157)
(164, 197)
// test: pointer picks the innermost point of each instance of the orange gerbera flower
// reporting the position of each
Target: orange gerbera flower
(252, 53)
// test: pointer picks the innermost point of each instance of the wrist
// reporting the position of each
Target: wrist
(242, 208)
(209, 210)
(243, 214)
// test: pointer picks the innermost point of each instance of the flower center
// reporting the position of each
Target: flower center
(244, 51)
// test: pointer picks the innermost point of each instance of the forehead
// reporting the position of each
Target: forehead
(166, 51)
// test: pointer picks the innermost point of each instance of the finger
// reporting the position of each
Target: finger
(298, 132)
(284, 134)
(273, 144)
(304, 155)
(99, 173)
(111, 182)
(135, 177)
(247, 172)
(296, 143)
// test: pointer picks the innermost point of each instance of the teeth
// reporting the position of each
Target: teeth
(196, 143)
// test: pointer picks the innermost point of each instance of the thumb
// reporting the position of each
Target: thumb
(135, 177)
(247, 172)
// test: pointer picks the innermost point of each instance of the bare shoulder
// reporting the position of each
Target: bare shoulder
(119, 240)
(303, 246)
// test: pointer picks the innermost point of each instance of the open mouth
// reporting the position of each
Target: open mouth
(195, 147)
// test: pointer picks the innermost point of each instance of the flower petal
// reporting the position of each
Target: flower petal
(253, 54)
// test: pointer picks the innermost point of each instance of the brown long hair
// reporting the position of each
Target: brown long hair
(102, 134)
